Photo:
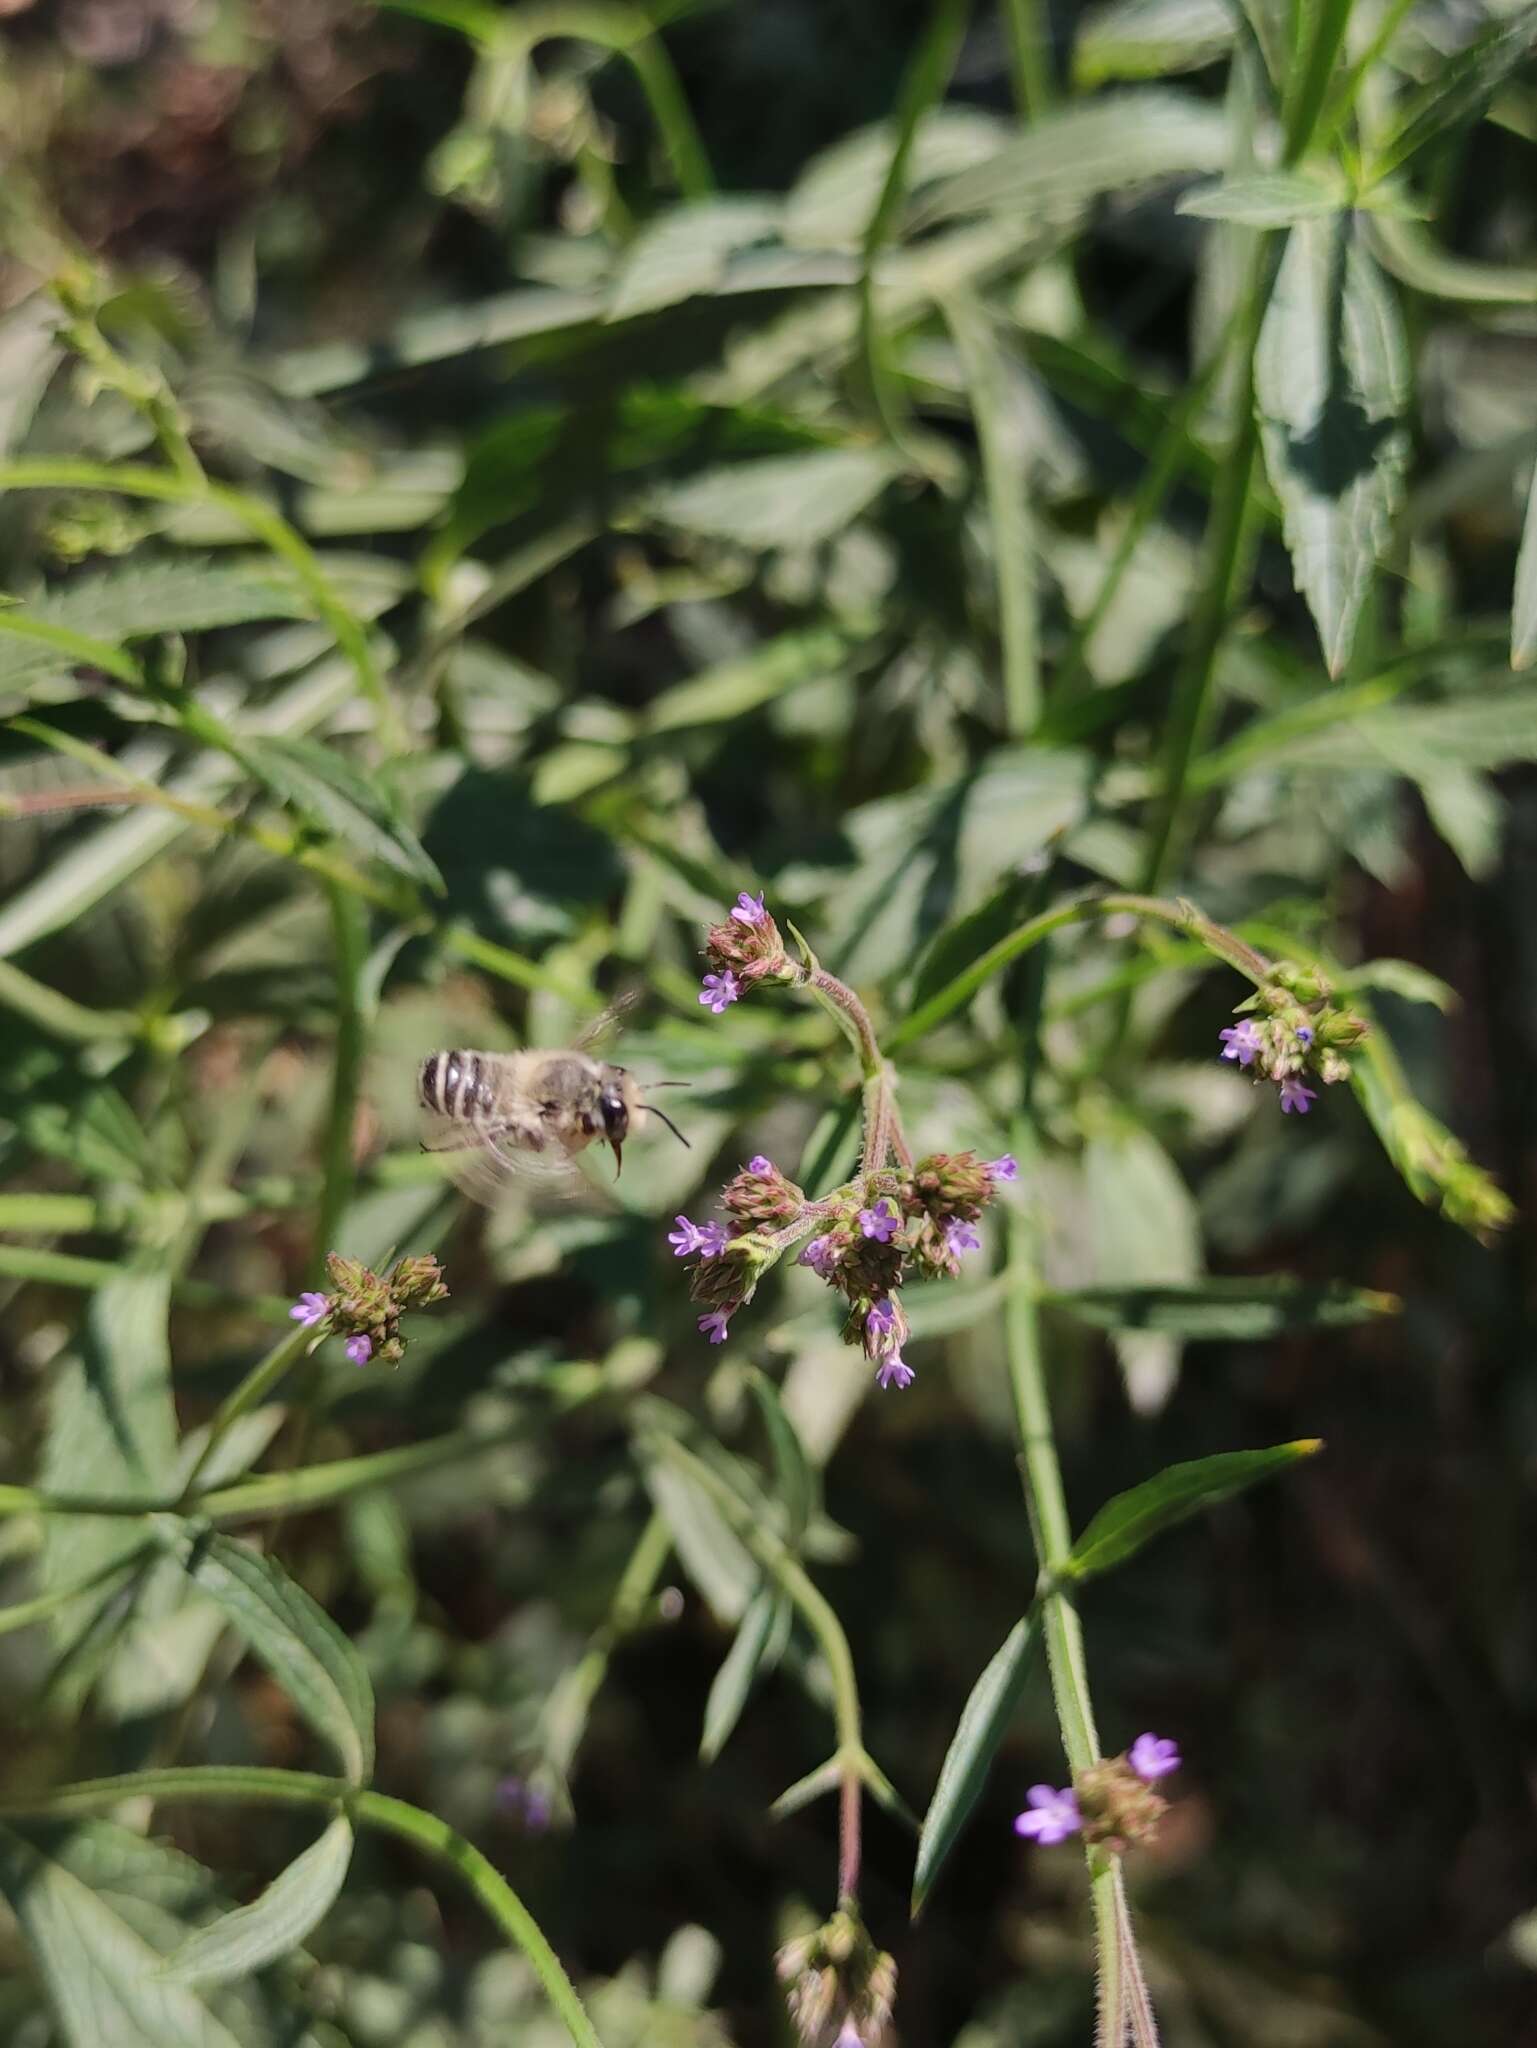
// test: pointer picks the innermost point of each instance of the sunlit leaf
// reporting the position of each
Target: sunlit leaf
(752, 1649)
(316, 1665)
(1523, 616)
(274, 1924)
(1272, 200)
(1462, 87)
(1331, 383)
(1234, 1310)
(1125, 1523)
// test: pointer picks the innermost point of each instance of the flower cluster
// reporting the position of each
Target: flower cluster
(868, 1234)
(745, 948)
(1113, 1804)
(1294, 1030)
(368, 1305)
(839, 1986)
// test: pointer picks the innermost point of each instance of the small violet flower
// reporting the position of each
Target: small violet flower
(524, 1803)
(880, 1321)
(1153, 1757)
(359, 1349)
(821, 1255)
(1304, 1034)
(749, 909)
(1295, 1096)
(894, 1371)
(309, 1308)
(759, 1164)
(718, 990)
(715, 1326)
(1004, 1168)
(880, 1222)
(1241, 1041)
(707, 1239)
(1051, 1816)
(961, 1237)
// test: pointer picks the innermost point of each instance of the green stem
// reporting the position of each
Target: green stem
(1029, 56)
(262, 1786)
(571, 1700)
(252, 1390)
(492, 1891)
(349, 936)
(817, 1613)
(64, 1269)
(1046, 1505)
(61, 1015)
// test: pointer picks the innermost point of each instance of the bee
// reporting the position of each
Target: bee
(498, 1115)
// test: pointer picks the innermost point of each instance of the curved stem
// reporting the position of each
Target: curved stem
(263, 1786)
(349, 933)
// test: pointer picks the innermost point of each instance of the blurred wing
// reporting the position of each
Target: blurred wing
(487, 1167)
(605, 1025)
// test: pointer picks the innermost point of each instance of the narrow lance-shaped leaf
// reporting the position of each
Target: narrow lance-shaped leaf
(983, 1724)
(1273, 199)
(1238, 1310)
(296, 1639)
(1461, 88)
(275, 1924)
(1131, 1519)
(1331, 382)
(750, 1651)
(795, 1481)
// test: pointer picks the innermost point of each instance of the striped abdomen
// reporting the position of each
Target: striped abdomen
(456, 1084)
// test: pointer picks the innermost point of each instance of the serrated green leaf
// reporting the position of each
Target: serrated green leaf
(1462, 88)
(101, 1975)
(275, 1924)
(733, 1682)
(324, 787)
(983, 1724)
(295, 1638)
(1124, 1524)
(1273, 199)
(1331, 382)
(1238, 1310)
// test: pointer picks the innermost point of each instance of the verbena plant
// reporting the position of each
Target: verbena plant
(852, 552)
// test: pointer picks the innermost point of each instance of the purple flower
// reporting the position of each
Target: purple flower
(821, 1255)
(880, 1222)
(359, 1349)
(1241, 1041)
(715, 1326)
(309, 1308)
(524, 1803)
(1304, 1034)
(686, 1239)
(718, 990)
(1052, 1816)
(1153, 1757)
(961, 1237)
(749, 909)
(894, 1371)
(713, 1239)
(1004, 1168)
(759, 1165)
(1295, 1096)
(880, 1321)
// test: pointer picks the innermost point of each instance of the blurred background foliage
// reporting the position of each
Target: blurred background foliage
(789, 446)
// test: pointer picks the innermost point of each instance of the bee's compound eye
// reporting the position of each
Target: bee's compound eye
(612, 1108)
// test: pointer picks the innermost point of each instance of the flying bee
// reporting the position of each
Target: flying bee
(499, 1115)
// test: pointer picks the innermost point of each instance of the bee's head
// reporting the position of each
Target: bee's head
(615, 1093)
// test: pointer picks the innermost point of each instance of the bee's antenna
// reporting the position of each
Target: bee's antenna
(669, 1084)
(652, 1110)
